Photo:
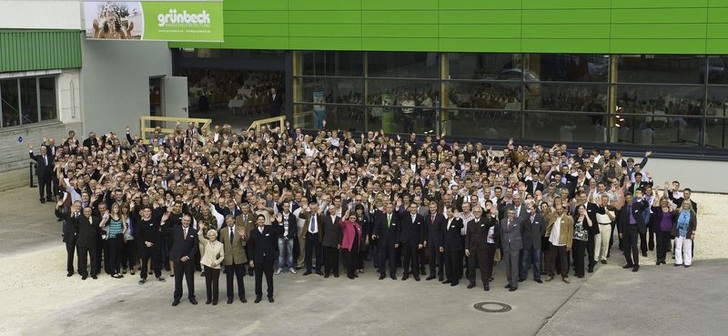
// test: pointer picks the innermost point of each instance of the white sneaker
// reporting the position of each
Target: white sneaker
(279, 271)
(293, 270)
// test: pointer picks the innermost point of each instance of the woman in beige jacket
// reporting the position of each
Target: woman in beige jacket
(211, 260)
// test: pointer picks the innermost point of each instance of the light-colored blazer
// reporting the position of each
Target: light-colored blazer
(213, 252)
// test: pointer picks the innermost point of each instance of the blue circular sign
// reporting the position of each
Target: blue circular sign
(20, 139)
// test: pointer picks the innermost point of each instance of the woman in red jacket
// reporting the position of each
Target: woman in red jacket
(350, 238)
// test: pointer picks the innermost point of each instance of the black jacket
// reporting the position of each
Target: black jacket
(87, 233)
(637, 209)
(183, 246)
(263, 246)
(533, 231)
(452, 238)
(413, 232)
(388, 235)
(477, 233)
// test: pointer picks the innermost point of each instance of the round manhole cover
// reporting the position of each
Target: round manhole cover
(492, 307)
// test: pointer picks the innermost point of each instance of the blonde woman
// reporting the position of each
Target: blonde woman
(117, 228)
(684, 231)
(211, 261)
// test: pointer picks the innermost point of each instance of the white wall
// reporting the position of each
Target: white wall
(115, 82)
(704, 176)
(40, 14)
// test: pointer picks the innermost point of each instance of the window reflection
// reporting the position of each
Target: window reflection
(655, 99)
(403, 64)
(496, 95)
(567, 97)
(10, 102)
(678, 69)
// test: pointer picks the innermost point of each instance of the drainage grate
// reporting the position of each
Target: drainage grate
(492, 307)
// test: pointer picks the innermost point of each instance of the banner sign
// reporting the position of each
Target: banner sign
(185, 21)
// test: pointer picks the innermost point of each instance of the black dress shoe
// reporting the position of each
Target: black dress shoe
(243, 300)
(193, 301)
(430, 277)
(270, 299)
(326, 276)
(454, 283)
(628, 266)
(381, 277)
(486, 287)
(590, 269)
(521, 279)
(319, 273)
(604, 262)
(539, 281)
(94, 277)
(417, 278)
(230, 301)
(508, 286)
(214, 303)
(336, 275)
(440, 279)
(208, 302)
(175, 303)
(512, 289)
(69, 274)
(657, 263)
(83, 277)
(307, 273)
(636, 268)
(471, 285)
(257, 300)
(405, 277)
(393, 277)
(447, 281)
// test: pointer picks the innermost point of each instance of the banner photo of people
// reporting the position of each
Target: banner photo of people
(191, 21)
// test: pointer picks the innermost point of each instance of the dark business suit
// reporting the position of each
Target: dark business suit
(331, 242)
(69, 236)
(413, 234)
(312, 234)
(148, 230)
(44, 171)
(534, 227)
(453, 245)
(631, 232)
(481, 252)
(263, 247)
(87, 232)
(184, 246)
(512, 244)
(434, 243)
(275, 104)
(387, 232)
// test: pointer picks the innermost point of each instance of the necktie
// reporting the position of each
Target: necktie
(232, 232)
(313, 224)
(45, 158)
(432, 219)
(389, 221)
(260, 229)
(90, 221)
(184, 234)
(509, 223)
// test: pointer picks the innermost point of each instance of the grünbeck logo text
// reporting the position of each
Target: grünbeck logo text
(174, 18)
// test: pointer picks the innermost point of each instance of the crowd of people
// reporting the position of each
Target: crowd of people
(259, 201)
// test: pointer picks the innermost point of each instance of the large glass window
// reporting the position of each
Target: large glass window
(29, 100)
(564, 127)
(569, 67)
(10, 102)
(480, 66)
(661, 99)
(332, 63)
(403, 64)
(47, 92)
(333, 90)
(566, 96)
(678, 69)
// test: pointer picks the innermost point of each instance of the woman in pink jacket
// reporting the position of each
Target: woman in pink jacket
(350, 238)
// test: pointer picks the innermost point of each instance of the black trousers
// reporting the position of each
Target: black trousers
(478, 258)
(153, 254)
(663, 244)
(411, 256)
(212, 283)
(331, 260)
(260, 268)
(631, 252)
(651, 238)
(184, 270)
(453, 265)
(387, 256)
(44, 185)
(70, 250)
(236, 271)
(83, 252)
(116, 246)
(313, 246)
(590, 249)
(128, 255)
(351, 260)
(487, 271)
(643, 242)
(551, 256)
(577, 252)
(436, 260)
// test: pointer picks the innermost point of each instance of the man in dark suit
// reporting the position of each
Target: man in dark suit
(312, 234)
(88, 230)
(331, 242)
(511, 229)
(435, 223)
(275, 103)
(149, 237)
(534, 228)
(386, 231)
(183, 254)
(263, 243)
(631, 225)
(452, 246)
(412, 238)
(480, 246)
(69, 233)
(44, 171)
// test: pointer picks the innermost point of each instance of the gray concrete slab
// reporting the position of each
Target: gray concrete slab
(26, 223)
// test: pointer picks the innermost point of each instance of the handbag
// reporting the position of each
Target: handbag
(580, 232)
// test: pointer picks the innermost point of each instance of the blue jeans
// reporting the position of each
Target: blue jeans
(285, 250)
(530, 256)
